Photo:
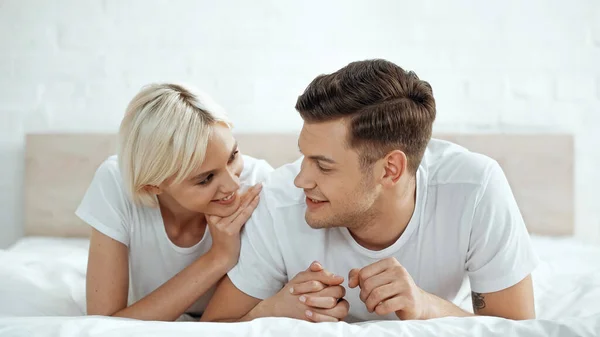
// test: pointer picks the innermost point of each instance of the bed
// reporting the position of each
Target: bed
(42, 276)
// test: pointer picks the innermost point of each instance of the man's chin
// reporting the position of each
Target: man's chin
(317, 223)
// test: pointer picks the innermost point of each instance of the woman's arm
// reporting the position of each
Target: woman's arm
(108, 272)
(108, 283)
(107, 279)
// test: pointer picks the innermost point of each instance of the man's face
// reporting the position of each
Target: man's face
(339, 193)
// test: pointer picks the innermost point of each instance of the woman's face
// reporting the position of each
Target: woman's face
(213, 187)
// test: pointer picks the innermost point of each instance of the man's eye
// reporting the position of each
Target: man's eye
(324, 170)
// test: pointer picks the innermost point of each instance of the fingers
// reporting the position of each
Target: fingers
(322, 276)
(317, 317)
(390, 305)
(319, 302)
(244, 214)
(324, 299)
(332, 291)
(353, 278)
(212, 220)
(246, 200)
(307, 287)
(375, 282)
(311, 280)
(315, 266)
(340, 311)
(380, 295)
(250, 193)
(376, 268)
(254, 190)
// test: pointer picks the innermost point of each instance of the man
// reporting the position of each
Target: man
(405, 217)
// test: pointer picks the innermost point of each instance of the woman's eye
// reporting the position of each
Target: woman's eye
(233, 155)
(206, 180)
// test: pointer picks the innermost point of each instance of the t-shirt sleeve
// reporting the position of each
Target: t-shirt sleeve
(255, 171)
(260, 271)
(500, 252)
(105, 204)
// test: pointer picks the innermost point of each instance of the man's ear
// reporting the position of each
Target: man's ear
(394, 165)
(152, 189)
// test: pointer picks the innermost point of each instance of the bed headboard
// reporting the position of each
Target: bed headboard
(59, 168)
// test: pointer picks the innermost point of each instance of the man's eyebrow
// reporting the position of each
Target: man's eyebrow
(203, 174)
(322, 158)
(317, 157)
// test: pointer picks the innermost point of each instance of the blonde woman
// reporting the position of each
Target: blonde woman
(167, 210)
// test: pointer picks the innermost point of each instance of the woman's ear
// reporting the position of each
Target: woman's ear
(152, 189)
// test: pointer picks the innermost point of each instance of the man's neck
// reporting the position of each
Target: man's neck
(394, 212)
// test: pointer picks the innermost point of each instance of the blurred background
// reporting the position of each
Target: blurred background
(503, 66)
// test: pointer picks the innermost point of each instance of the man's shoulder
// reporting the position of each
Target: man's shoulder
(279, 188)
(255, 171)
(447, 163)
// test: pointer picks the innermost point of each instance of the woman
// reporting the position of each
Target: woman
(167, 210)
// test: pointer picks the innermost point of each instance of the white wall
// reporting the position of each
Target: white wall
(523, 66)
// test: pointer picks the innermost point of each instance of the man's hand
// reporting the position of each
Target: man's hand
(386, 287)
(314, 295)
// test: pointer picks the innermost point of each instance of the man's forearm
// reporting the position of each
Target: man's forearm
(439, 307)
(260, 310)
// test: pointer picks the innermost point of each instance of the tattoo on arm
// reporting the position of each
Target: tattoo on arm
(478, 301)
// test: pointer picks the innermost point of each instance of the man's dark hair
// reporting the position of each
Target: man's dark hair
(387, 108)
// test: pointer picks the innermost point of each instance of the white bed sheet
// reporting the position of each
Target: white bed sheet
(42, 293)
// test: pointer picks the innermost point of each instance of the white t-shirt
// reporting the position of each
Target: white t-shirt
(153, 258)
(466, 226)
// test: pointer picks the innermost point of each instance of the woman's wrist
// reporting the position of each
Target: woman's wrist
(220, 261)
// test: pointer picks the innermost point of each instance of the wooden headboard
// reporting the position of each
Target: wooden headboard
(59, 168)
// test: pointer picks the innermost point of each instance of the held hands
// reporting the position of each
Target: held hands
(386, 287)
(225, 231)
(315, 295)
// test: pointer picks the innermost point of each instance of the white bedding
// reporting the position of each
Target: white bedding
(42, 294)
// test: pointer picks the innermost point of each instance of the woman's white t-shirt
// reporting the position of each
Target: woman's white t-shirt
(153, 258)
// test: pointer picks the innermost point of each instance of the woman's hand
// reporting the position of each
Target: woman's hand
(225, 231)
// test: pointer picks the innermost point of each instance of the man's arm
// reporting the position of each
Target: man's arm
(515, 302)
(229, 304)
(386, 287)
(314, 294)
(500, 256)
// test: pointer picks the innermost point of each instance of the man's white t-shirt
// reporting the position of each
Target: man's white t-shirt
(153, 258)
(466, 225)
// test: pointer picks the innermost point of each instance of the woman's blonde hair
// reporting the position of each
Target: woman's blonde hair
(164, 135)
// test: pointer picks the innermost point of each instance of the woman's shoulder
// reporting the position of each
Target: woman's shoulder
(105, 205)
(109, 169)
(107, 183)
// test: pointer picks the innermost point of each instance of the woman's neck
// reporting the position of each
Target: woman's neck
(175, 215)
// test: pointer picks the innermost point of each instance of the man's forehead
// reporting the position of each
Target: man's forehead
(323, 139)
(324, 131)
